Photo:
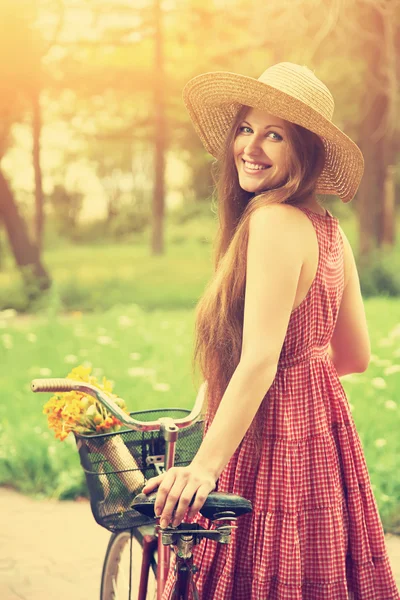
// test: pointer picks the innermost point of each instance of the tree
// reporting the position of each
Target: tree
(25, 252)
(17, 68)
(160, 124)
(377, 127)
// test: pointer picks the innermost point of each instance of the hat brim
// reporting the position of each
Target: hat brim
(213, 100)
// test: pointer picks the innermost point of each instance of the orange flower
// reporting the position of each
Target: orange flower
(78, 412)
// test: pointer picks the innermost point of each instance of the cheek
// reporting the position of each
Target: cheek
(238, 146)
(281, 157)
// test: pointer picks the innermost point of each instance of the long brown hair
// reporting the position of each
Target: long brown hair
(220, 311)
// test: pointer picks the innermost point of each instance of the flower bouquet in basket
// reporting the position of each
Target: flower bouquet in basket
(81, 414)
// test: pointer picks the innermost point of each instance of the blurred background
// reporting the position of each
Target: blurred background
(106, 211)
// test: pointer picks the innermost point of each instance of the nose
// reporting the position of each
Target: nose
(253, 146)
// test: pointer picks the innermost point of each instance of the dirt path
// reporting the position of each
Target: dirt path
(54, 550)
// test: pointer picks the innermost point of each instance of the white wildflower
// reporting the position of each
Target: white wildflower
(7, 341)
(125, 321)
(379, 383)
(385, 342)
(135, 356)
(70, 359)
(380, 442)
(392, 369)
(44, 372)
(141, 372)
(395, 332)
(390, 404)
(161, 387)
(104, 340)
(383, 362)
(31, 337)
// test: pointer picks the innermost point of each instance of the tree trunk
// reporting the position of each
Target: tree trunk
(25, 253)
(388, 218)
(389, 208)
(376, 195)
(157, 244)
(372, 140)
(36, 130)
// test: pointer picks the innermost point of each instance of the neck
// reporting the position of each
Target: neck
(310, 202)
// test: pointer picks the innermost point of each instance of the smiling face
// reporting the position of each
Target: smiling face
(261, 149)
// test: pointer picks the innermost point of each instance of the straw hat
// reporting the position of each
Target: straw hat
(288, 91)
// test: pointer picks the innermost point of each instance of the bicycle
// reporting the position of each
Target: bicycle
(155, 445)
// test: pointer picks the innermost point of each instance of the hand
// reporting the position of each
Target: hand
(176, 488)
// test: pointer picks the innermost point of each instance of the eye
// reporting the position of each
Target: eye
(278, 137)
(243, 127)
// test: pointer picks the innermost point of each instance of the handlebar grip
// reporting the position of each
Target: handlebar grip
(52, 385)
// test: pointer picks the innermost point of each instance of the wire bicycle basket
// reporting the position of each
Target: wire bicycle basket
(117, 464)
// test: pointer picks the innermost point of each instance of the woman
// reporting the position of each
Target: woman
(281, 320)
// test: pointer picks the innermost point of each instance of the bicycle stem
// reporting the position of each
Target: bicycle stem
(170, 433)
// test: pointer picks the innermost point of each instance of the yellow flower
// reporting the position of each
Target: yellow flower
(77, 412)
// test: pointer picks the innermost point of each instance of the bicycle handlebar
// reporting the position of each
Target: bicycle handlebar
(67, 385)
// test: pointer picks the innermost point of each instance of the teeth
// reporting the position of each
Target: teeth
(254, 167)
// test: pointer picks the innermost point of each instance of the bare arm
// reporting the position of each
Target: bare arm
(350, 347)
(272, 273)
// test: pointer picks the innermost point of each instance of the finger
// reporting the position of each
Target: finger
(152, 483)
(163, 491)
(201, 497)
(171, 501)
(186, 497)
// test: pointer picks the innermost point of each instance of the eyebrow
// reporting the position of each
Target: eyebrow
(266, 127)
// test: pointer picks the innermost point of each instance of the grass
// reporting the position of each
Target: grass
(96, 277)
(148, 355)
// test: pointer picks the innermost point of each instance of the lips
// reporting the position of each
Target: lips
(253, 171)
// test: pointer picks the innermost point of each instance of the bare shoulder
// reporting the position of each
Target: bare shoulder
(280, 218)
(274, 232)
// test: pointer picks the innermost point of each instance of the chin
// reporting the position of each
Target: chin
(252, 188)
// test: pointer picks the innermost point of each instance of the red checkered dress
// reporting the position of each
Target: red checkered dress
(315, 531)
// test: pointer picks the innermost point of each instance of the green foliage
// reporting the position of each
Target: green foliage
(66, 205)
(193, 211)
(380, 276)
(14, 295)
(130, 220)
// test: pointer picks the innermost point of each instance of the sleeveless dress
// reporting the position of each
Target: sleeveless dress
(315, 532)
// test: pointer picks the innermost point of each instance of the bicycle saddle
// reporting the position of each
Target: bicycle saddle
(218, 504)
